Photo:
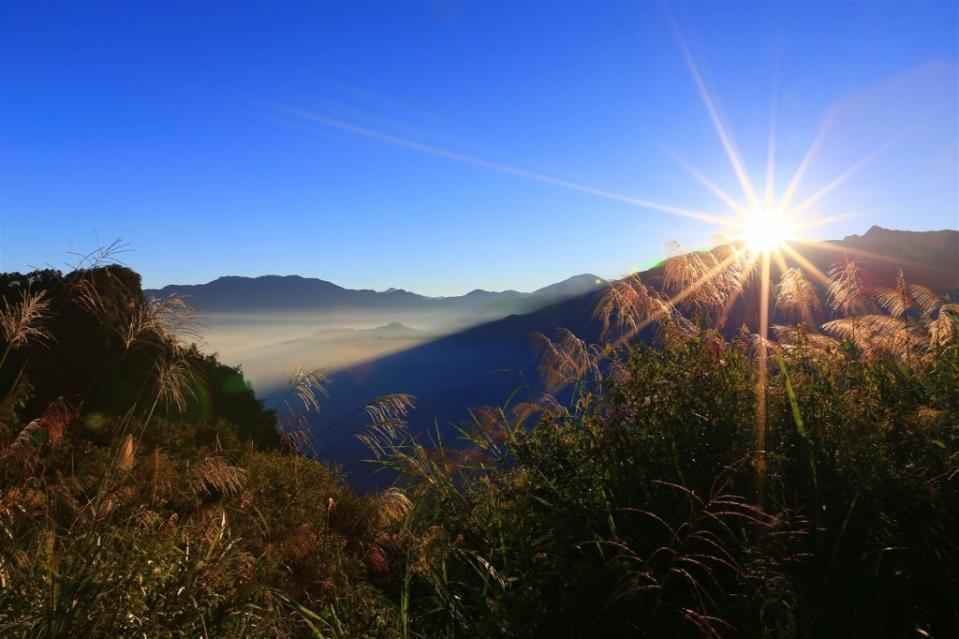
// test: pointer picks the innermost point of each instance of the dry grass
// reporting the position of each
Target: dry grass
(877, 334)
(215, 475)
(387, 421)
(174, 376)
(168, 318)
(944, 329)
(126, 453)
(699, 277)
(848, 292)
(628, 304)
(24, 321)
(606, 510)
(795, 295)
(566, 360)
(896, 301)
(308, 386)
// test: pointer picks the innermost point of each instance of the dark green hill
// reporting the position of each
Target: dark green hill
(88, 363)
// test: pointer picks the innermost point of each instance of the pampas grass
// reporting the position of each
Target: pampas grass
(628, 304)
(564, 361)
(24, 321)
(214, 475)
(848, 292)
(387, 420)
(632, 508)
(796, 295)
(896, 301)
(170, 318)
(307, 386)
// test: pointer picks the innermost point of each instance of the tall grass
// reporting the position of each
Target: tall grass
(142, 522)
(621, 501)
(631, 508)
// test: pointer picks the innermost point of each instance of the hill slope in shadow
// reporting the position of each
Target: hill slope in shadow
(485, 364)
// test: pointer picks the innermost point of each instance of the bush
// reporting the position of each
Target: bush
(634, 511)
(705, 485)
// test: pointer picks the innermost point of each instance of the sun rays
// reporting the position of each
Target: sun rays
(761, 229)
(761, 220)
(766, 229)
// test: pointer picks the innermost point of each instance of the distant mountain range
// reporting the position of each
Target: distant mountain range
(929, 257)
(392, 331)
(485, 364)
(275, 293)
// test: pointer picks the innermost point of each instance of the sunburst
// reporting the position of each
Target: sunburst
(769, 230)
(766, 229)
(762, 229)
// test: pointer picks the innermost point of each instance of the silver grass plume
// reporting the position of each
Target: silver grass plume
(545, 403)
(23, 321)
(627, 304)
(170, 317)
(848, 293)
(308, 386)
(944, 329)
(795, 295)
(877, 334)
(173, 376)
(387, 416)
(896, 301)
(926, 298)
(389, 508)
(564, 361)
(697, 275)
(215, 475)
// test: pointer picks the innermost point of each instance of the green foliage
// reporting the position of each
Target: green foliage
(143, 493)
(173, 514)
(634, 511)
(103, 355)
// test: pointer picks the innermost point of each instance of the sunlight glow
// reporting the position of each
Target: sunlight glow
(762, 228)
(765, 229)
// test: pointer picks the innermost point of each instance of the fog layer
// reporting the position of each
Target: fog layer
(270, 346)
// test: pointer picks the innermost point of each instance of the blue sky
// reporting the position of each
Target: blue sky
(252, 138)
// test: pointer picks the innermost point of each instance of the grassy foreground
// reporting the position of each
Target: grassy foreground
(145, 492)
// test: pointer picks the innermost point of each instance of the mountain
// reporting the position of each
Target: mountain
(485, 364)
(576, 285)
(273, 325)
(331, 349)
(280, 294)
(929, 257)
(393, 330)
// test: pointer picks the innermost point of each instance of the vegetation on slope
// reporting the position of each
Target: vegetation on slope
(144, 492)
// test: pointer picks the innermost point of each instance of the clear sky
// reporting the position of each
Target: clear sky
(441, 147)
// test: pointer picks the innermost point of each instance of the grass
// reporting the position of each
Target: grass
(144, 492)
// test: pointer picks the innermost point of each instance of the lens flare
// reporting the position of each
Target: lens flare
(765, 230)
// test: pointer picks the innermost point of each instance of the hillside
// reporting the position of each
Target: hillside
(486, 364)
(687, 486)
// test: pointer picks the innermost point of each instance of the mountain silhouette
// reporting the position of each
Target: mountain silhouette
(486, 364)
(279, 293)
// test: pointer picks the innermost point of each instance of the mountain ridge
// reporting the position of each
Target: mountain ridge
(236, 293)
(485, 364)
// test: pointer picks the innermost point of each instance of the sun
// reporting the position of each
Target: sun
(765, 229)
